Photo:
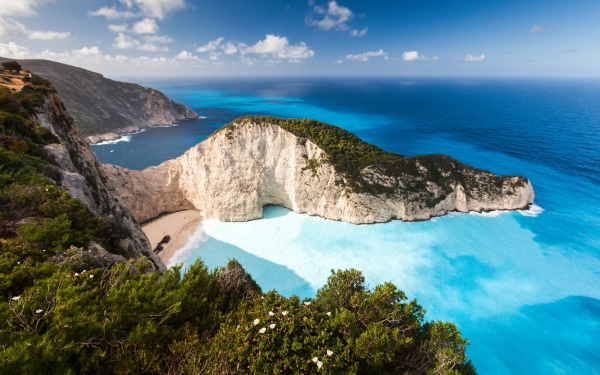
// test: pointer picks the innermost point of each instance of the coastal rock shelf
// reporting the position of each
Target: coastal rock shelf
(314, 168)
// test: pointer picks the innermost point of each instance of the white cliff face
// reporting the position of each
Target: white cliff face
(242, 168)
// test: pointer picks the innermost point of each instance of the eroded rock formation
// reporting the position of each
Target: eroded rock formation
(256, 161)
(79, 173)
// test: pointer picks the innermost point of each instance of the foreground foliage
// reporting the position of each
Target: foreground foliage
(68, 308)
(126, 320)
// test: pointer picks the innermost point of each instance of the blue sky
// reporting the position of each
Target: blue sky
(308, 37)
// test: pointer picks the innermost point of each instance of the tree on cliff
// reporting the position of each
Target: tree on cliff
(12, 66)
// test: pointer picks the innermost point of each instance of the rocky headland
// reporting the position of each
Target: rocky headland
(314, 168)
(103, 109)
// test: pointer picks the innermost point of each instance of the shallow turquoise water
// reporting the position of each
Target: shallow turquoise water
(523, 289)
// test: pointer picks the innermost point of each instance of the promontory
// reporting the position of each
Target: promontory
(314, 168)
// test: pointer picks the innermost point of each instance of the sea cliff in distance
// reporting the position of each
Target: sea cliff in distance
(103, 109)
(314, 168)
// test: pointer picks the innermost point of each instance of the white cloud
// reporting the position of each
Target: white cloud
(229, 48)
(48, 35)
(359, 33)
(162, 39)
(85, 51)
(112, 13)
(127, 3)
(151, 43)
(156, 8)
(123, 41)
(365, 56)
(474, 58)
(537, 29)
(335, 16)
(416, 56)
(118, 28)
(279, 47)
(210, 46)
(145, 26)
(13, 51)
(185, 55)
(11, 28)
(19, 8)
(214, 56)
(411, 56)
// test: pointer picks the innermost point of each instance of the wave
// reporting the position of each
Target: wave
(489, 213)
(123, 138)
(183, 254)
(533, 211)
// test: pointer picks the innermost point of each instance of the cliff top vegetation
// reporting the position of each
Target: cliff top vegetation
(358, 160)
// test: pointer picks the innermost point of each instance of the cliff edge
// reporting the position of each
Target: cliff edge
(36, 129)
(102, 108)
(314, 168)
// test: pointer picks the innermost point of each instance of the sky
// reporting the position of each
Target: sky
(308, 37)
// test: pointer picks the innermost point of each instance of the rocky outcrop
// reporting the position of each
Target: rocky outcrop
(79, 173)
(103, 108)
(254, 162)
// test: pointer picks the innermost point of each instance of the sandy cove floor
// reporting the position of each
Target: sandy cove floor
(180, 226)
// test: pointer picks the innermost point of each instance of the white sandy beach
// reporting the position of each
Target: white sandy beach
(180, 226)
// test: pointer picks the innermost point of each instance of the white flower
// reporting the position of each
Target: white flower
(16, 298)
(315, 359)
(272, 325)
(284, 313)
(329, 353)
(306, 303)
(83, 271)
(319, 364)
(91, 276)
(271, 313)
(262, 330)
(256, 321)
(76, 274)
(328, 313)
(18, 262)
(38, 311)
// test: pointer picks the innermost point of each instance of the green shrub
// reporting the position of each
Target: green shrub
(11, 65)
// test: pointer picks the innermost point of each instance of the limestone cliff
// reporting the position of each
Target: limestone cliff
(312, 168)
(103, 108)
(79, 173)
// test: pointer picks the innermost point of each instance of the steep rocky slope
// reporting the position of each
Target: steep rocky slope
(103, 108)
(312, 168)
(69, 164)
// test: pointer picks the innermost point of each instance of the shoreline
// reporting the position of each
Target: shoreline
(179, 225)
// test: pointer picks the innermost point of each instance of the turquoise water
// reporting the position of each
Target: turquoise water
(524, 288)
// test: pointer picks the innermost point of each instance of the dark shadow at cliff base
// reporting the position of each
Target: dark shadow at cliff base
(272, 211)
(267, 274)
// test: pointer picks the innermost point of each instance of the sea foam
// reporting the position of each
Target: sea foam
(533, 211)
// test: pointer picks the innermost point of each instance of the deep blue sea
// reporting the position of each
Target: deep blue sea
(523, 287)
